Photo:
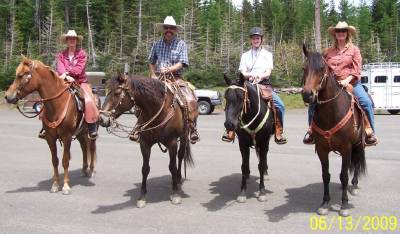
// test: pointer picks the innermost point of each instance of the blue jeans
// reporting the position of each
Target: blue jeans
(280, 106)
(362, 97)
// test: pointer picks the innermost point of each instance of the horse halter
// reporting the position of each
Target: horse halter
(324, 79)
(246, 97)
(27, 77)
(124, 92)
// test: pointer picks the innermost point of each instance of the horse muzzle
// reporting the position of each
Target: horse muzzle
(231, 125)
(11, 98)
(308, 96)
(104, 120)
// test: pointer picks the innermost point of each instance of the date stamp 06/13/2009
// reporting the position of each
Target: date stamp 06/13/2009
(357, 223)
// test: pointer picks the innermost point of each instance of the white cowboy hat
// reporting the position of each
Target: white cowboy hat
(70, 33)
(168, 21)
(342, 25)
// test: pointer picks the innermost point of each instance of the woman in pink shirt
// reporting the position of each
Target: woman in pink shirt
(344, 61)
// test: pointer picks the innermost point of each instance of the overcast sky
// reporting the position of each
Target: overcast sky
(354, 2)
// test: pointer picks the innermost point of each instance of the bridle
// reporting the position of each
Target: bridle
(320, 87)
(27, 77)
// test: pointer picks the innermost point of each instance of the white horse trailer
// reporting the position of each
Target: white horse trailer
(383, 83)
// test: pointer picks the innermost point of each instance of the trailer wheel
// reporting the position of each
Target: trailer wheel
(393, 112)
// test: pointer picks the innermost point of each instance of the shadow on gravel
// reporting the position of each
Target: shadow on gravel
(307, 200)
(45, 185)
(227, 188)
(158, 190)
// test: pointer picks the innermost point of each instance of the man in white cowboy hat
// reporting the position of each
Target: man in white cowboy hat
(71, 66)
(167, 58)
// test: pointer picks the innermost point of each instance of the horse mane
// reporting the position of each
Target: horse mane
(316, 61)
(142, 85)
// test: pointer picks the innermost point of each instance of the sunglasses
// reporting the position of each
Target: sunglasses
(341, 30)
(169, 28)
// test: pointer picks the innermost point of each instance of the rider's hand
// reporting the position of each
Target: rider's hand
(345, 82)
(63, 76)
(165, 70)
(69, 79)
(153, 76)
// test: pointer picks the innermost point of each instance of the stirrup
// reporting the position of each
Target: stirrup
(308, 139)
(42, 134)
(194, 137)
(93, 135)
(371, 140)
(281, 141)
(228, 136)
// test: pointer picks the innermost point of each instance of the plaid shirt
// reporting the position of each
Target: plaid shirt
(165, 54)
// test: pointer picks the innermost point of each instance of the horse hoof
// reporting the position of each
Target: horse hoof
(140, 203)
(176, 199)
(354, 192)
(344, 212)
(322, 211)
(241, 199)
(262, 198)
(85, 173)
(66, 191)
(54, 189)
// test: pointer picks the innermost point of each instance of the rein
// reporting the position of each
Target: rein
(244, 126)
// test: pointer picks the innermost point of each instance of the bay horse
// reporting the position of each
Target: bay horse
(337, 126)
(161, 121)
(252, 120)
(60, 116)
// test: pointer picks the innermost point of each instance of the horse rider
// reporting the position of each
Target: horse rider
(167, 58)
(71, 66)
(344, 61)
(256, 66)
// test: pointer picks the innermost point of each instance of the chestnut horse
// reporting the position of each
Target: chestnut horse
(60, 116)
(161, 120)
(337, 126)
(251, 118)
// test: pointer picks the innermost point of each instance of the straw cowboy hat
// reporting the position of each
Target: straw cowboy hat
(342, 25)
(168, 21)
(70, 33)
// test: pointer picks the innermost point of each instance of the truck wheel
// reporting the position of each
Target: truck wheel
(393, 112)
(204, 107)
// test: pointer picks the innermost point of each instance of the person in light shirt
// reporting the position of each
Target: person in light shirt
(256, 66)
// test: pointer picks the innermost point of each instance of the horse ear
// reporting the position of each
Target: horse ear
(227, 80)
(241, 79)
(305, 51)
(121, 77)
(25, 60)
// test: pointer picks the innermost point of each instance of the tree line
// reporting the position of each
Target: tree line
(216, 32)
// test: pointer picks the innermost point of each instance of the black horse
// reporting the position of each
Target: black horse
(161, 121)
(251, 118)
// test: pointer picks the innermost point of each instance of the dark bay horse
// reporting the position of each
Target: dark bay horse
(252, 120)
(160, 121)
(337, 126)
(60, 116)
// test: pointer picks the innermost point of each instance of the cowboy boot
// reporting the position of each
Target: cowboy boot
(228, 136)
(280, 138)
(92, 128)
(308, 138)
(370, 138)
(194, 135)
(42, 134)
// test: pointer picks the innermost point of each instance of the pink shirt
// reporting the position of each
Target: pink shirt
(345, 63)
(75, 67)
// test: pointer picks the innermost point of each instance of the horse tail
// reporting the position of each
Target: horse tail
(357, 161)
(187, 158)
